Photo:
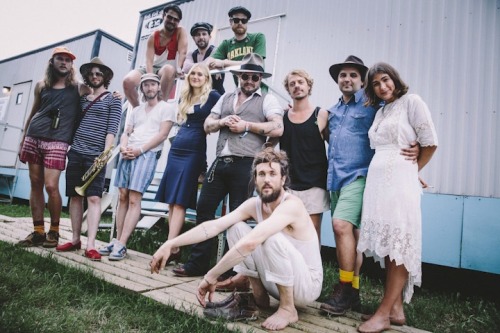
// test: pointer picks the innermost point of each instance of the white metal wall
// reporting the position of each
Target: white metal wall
(447, 51)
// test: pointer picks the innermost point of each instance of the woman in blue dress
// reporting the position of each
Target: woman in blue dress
(187, 156)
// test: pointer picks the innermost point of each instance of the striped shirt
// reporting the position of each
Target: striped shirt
(101, 119)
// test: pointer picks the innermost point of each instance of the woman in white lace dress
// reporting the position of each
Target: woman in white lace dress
(391, 229)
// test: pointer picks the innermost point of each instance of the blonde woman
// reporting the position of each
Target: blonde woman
(187, 156)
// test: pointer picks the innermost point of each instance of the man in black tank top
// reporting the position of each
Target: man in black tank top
(47, 135)
(200, 32)
(303, 139)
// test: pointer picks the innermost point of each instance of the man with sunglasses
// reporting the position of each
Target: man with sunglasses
(231, 51)
(99, 122)
(244, 119)
(161, 56)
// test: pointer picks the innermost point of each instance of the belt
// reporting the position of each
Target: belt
(232, 158)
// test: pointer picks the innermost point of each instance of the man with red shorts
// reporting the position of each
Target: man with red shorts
(47, 135)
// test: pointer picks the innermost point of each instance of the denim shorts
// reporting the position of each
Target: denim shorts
(78, 165)
(347, 203)
(137, 174)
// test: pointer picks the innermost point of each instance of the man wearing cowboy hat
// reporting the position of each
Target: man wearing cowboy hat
(244, 119)
(348, 159)
(140, 145)
(47, 135)
(99, 122)
(200, 32)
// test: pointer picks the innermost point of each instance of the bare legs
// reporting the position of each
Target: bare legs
(93, 217)
(392, 303)
(40, 177)
(286, 312)
(129, 211)
(316, 219)
(176, 217)
(346, 245)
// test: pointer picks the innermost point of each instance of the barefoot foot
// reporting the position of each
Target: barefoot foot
(280, 319)
(375, 324)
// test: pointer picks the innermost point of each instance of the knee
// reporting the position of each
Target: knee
(238, 231)
(341, 227)
(129, 83)
(167, 72)
(94, 200)
(52, 189)
(274, 244)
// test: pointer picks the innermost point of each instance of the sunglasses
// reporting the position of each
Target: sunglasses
(238, 20)
(98, 74)
(173, 18)
(254, 77)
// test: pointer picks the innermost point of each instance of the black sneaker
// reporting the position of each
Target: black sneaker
(33, 239)
(356, 301)
(341, 300)
(52, 239)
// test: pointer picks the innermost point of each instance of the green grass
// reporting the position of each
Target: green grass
(434, 308)
(37, 294)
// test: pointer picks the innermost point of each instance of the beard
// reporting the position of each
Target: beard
(249, 92)
(202, 44)
(271, 197)
(96, 85)
(150, 96)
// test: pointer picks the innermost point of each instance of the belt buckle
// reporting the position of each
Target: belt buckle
(227, 159)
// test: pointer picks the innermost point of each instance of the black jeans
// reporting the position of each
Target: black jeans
(227, 175)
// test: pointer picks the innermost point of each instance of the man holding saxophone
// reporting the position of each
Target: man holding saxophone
(90, 149)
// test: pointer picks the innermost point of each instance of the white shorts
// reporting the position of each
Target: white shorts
(316, 200)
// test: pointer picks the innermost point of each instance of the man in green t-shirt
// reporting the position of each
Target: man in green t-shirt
(232, 50)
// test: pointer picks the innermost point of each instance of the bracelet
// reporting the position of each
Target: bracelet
(142, 151)
(206, 280)
(247, 127)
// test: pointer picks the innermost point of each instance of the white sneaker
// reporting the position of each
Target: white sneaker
(119, 252)
(106, 251)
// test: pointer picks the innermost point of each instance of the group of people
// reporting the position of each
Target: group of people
(379, 137)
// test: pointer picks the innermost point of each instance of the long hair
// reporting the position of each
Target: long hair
(270, 155)
(400, 87)
(303, 74)
(187, 92)
(51, 78)
(106, 78)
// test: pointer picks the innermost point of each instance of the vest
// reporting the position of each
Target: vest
(171, 45)
(251, 110)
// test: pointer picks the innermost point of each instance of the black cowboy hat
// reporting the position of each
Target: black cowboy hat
(350, 61)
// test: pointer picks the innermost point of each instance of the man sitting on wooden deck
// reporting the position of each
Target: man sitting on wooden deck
(280, 256)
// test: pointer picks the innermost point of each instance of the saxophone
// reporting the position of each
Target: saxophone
(99, 163)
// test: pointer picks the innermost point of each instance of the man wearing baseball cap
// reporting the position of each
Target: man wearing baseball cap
(201, 33)
(47, 135)
(140, 145)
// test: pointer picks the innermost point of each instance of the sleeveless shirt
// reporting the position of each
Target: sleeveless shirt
(63, 102)
(306, 152)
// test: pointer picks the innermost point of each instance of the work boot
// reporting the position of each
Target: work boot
(341, 300)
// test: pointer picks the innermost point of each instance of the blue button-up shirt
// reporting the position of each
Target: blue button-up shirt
(349, 152)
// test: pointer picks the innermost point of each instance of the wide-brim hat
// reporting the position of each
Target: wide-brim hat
(350, 61)
(63, 50)
(201, 26)
(150, 77)
(93, 63)
(252, 63)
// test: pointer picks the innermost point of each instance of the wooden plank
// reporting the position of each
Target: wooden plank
(147, 222)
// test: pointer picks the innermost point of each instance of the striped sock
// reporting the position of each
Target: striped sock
(54, 226)
(39, 227)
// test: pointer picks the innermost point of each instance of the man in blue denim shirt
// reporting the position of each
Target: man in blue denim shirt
(349, 156)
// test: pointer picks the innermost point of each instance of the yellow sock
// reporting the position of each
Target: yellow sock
(39, 229)
(54, 226)
(345, 277)
(355, 282)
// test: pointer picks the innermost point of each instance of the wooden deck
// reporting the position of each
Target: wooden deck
(133, 274)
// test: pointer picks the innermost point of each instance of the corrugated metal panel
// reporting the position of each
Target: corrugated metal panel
(117, 57)
(446, 50)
